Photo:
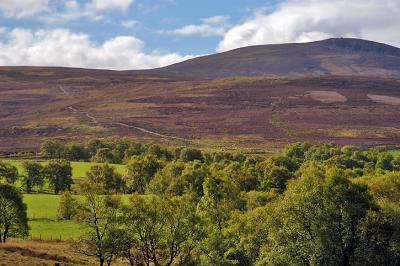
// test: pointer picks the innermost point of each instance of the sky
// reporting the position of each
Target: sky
(141, 34)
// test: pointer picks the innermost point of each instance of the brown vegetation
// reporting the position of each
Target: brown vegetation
(242, 112)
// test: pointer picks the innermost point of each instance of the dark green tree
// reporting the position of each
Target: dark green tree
(13, 218)
(107, 176)
(33, 175)
(139, 172)
(8, 173)
(59, 175)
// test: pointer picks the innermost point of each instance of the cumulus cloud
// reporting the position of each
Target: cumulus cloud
(61, 47)
(211, 26)
(99, 5)
(310, 20)
(22, 8)
(129, 24)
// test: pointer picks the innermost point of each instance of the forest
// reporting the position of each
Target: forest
(310, 204)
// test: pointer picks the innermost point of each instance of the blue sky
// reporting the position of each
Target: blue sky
(133, 34)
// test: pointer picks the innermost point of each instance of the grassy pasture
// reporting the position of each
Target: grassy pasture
(395, 152)
(42, 213)
(43, 222)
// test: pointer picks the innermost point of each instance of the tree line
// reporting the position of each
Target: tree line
(311, 204)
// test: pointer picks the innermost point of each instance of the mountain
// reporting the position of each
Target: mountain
(337, 56)
(345, 91)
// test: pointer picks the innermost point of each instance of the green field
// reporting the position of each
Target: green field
(395, 152)
(43, 222)
(79, 169)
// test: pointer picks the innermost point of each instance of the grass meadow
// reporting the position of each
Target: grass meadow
(42, 208)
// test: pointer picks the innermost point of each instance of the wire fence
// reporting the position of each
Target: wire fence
(40, 237)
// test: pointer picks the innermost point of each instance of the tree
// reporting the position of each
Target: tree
(276, 177)
(33, 175)
(103, 155)
(190, 154)
(13, 218)
(67, 208)
(161, 231)
(59, 175)
(191, 179)
(52, 149)
(221, 197)
(107, 176)
(8, 173)
(380, 231)
(317, 220)
(98, 214)
(139, 171)
(77, 152)
(384, 161)
(161, 182)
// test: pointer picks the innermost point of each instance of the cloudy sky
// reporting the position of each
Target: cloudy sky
(137, 34)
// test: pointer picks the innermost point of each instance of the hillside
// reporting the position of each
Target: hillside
(359, 106)
(339, 56)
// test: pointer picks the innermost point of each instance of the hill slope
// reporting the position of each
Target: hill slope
(296, 98)
(338, 56)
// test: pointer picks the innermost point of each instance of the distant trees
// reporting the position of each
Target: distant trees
(107, 177)
(139, 171)
(13, 218)
(67, 208)
(59, 175)
(190, 154)
(33, 175)
(8, 173)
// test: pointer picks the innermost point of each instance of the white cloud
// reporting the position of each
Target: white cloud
(129, 24)
(72, 5)
(61, 47)
(212, 26)
(99, 5)
(22, 8)
(310, 20)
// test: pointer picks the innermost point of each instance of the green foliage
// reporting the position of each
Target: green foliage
(384, 161)
(107, 176)
(67, 208)
(309, 205)
(139, 172)
(8, 173)
(317, 220)
(189, 155)
(33, 175)
(13, 218)
(98, 214)
(59, 175)
(161, 231)
(52, 149)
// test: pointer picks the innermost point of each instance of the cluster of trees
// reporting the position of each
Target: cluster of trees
(56, 174)
(103, 151)
(310, 205)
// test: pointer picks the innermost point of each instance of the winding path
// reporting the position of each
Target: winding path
(96, 121)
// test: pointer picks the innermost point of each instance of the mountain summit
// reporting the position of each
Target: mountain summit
(336, 56)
